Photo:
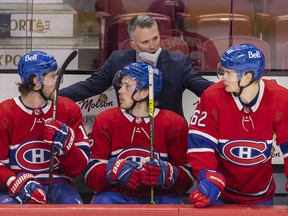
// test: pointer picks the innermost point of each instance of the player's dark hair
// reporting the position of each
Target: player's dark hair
(26, 88)
(156, 103)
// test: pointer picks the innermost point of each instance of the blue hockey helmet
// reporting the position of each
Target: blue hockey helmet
(243, 58)
(139, 71)
(37, 63)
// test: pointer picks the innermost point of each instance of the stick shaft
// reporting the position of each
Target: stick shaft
(151, 116)
(55, 102)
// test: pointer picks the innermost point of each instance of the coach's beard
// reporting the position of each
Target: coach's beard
(49, 97)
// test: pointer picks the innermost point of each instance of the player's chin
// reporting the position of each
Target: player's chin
(228, 89)
(123, 106)
(50, 97)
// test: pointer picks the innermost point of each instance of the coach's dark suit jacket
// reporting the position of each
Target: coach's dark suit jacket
(177, 70)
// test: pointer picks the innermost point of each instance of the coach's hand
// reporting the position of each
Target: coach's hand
(60, 135)
(124, 172)
(25, 188)
(211, 184)
(158, 173)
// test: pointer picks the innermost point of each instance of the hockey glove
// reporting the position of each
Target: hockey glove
(158, 173)
(211, 184)
(25, 188)
(123, 172)
(60, 135)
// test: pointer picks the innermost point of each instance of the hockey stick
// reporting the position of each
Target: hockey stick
(151, 116)
(55, 101)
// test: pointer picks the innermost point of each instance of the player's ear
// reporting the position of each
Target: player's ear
(37, 84)
(249, 76)
(144, 92)
(132, 44)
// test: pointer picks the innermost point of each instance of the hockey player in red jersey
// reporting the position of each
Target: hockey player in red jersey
(231, 132)
(118, 171)
(26, 133)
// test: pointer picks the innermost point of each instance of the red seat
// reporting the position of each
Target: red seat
(214, 25)
(205, 7)
(273, 7)
(175, 9)
(195, 46)
(280, 38)
(211, 26)
(106, 6)
(284, 56)
(273, 18)
(210, 58)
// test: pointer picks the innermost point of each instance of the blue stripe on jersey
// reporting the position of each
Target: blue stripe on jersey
(197, 139)
(84, 146)
(284, 149)
(93, 163)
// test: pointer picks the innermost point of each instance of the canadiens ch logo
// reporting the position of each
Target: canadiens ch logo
(246, 152)
(34, 156)
(136, 154)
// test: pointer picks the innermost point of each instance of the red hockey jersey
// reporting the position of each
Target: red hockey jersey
(118, 134)
(22, 148)
(236, 140)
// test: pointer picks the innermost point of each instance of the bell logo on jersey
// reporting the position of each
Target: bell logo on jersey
(34, 156)
(254, 55)
(246, 152)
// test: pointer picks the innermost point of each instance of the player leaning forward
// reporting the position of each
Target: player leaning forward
(26, 134)
(119, 171)
(231, 132)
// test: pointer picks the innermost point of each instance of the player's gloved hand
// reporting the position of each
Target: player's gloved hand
(211, 184)
(124, 172)
(158, 173)
(60, 135)
(25, 188)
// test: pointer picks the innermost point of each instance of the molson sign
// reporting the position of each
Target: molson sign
(92, 106)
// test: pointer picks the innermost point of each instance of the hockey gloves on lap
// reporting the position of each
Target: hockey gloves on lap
(158, 173)
(25, 188)
(60, 135)
(211, 184)
(124, 172)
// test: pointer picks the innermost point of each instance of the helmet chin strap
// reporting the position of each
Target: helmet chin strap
(241, 88)
(41, 93)
(135, 102)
